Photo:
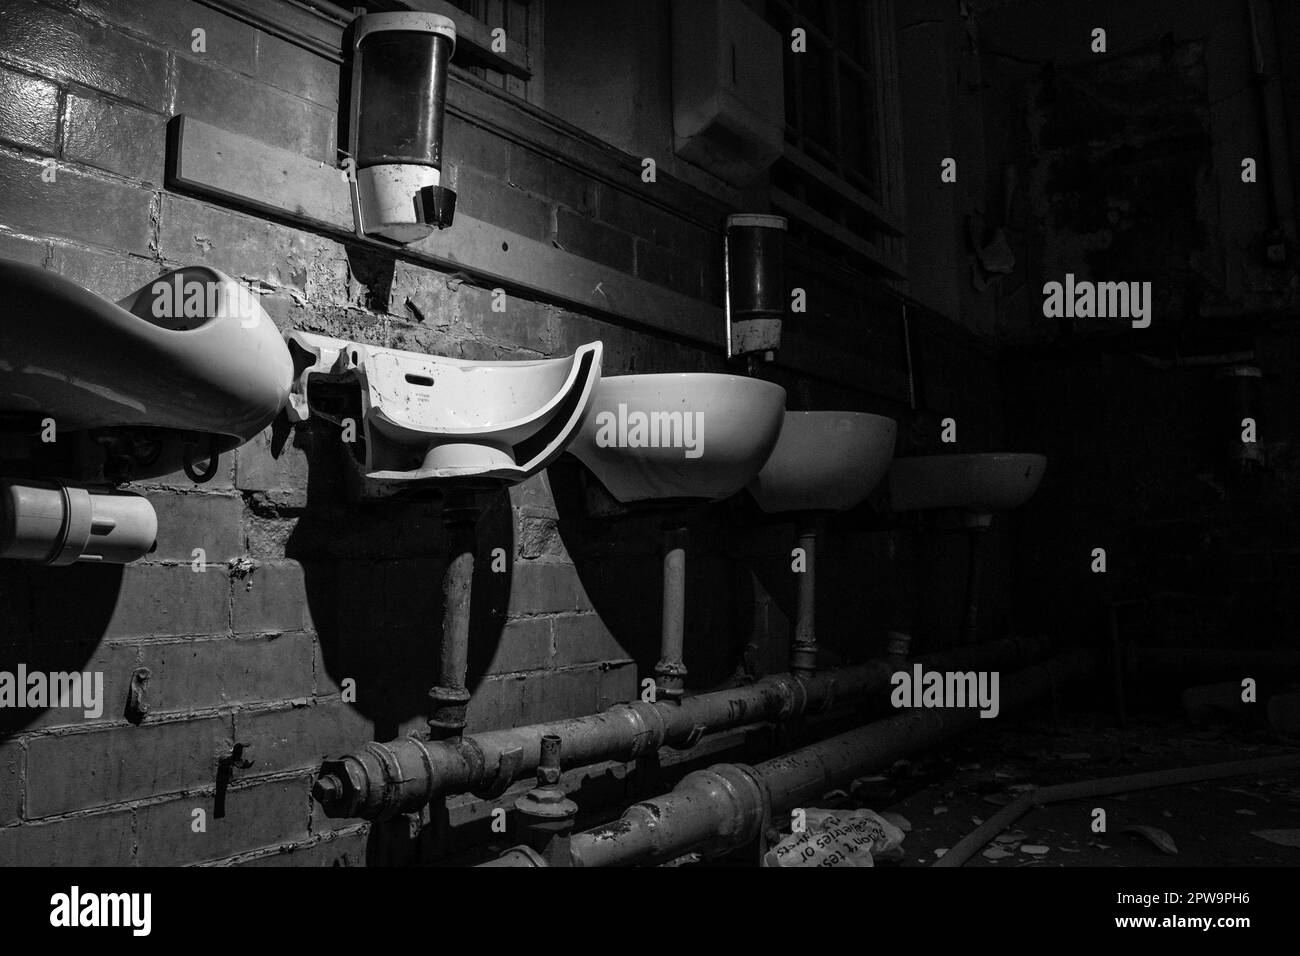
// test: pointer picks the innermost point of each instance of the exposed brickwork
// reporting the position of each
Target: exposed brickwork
(29, 111)
(303, 593)
(54, 42)
(196, 674)
(255, 814)
(69, 772)
(101, 839)
(170, 25)
(346, 848)
(33, 205)
(297, 738)
(593, 240)
(254, 109)
(115, 137)
(11, 782)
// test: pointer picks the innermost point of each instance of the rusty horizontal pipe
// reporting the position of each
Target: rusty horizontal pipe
(728, 805)
(382, 779)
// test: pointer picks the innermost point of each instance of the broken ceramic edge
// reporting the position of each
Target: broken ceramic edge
(428, 418)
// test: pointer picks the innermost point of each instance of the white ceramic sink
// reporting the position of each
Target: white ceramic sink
(679, 435)
(825, 461)
(189, 353)
(428, 418)
(984, 483)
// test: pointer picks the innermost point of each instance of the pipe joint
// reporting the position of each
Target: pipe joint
(670, 681)
(898, 646)
(711, 810)
(803, 659)
(746, 800)
(379, 780)
(447, 707)
(350, 783)
(794, 696)
(650, 727)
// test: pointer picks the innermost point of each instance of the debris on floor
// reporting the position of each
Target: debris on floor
(837, 839)
(948, 791)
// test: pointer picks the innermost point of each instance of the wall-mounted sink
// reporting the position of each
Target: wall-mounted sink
(983, 483)
(977, 484)
(825, 461)
(679, 435)
(417, 422)
(186, 366)
(431, 419)
(677, 439)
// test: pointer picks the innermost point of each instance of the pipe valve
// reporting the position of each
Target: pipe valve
(545, 815)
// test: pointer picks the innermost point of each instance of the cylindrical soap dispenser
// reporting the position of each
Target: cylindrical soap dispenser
(754, 257)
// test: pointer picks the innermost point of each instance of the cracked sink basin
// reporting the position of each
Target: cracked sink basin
(825, 461)
(684, 435)
(428, 419)
(984, 483)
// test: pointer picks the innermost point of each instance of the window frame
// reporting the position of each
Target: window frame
(517, 71)
(882, 250)
(316, 24)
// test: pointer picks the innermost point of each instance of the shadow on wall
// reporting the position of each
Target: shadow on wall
(44, 630)
(619, 562)
(373, 579)
(855, 597)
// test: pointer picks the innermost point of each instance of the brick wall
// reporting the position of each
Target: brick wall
(299, 590)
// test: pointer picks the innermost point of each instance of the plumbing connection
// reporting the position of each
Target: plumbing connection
(729, 806)
(383, 779)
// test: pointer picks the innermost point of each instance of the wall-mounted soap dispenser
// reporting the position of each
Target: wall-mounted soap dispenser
(753, 260)
(397, 100)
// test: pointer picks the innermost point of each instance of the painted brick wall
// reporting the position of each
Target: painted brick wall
(300, 590)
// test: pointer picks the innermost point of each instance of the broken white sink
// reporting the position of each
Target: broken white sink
(825, 461)
(427, 419)
(680, 435)
(981, 483)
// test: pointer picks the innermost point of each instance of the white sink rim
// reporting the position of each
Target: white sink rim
(804, 472)
(980, 482)
(749, 410)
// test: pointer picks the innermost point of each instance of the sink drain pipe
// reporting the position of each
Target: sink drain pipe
(449, 698)
(729, 806)
(976, 524)
(670, 672)
(803, 651)
(383, 779)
